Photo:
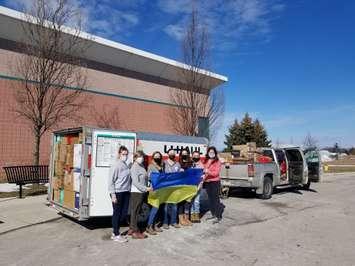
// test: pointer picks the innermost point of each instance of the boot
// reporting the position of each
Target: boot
(187, 220)
(197, 218)
(139, 235)
(182, 221)
(150, 230)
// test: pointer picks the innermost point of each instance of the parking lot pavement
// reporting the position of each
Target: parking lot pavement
(295, 227)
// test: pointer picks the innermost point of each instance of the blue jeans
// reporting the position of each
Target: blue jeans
(152, 214)
(120, 210)
(195, 207)
(170, 209)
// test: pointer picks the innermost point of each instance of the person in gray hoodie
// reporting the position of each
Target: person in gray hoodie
(139, 188)
(119, 187)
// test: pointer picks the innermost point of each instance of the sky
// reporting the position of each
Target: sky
(291, 64)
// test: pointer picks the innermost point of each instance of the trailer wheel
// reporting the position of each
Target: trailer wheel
(267, 188)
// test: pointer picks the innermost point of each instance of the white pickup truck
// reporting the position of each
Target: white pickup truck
(287, 166)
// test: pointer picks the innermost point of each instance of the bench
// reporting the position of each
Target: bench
(26, 174)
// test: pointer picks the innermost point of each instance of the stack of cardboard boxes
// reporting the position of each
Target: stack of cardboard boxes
(246, 151)
(66, 180)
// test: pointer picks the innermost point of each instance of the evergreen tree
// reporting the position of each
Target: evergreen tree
(232, 137)
(246, 131)
(260, 135)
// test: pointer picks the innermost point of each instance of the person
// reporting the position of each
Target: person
(184, 206)
(170, 209)
(119, 186)
(195, 206)
(139, 187)
(212, 168)
(154, 167)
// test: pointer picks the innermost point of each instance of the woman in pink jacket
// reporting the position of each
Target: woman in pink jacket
(212, 184)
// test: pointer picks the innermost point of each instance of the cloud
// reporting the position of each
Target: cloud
(103, 18)
(228, 21)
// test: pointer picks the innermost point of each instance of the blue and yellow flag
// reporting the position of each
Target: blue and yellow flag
(174, 187)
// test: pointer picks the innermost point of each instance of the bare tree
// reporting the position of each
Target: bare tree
(310, 142)
(108, 117)
(194, 99)
(49, 64)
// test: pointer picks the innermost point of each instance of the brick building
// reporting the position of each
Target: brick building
(136, 82)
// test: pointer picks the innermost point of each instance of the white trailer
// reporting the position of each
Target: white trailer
(84, 193)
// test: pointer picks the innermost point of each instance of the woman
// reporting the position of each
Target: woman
(184, 206)
(170, 209)
(138, 189)
(155, 167)
(212, 184)
(195, 206)
(119, 187)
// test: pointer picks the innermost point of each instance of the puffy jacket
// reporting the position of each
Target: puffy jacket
(213, 170)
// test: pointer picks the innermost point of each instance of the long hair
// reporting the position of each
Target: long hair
(215, 151)
(187, 163)
(161, 156)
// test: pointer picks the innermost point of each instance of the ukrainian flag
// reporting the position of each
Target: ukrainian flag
(174, 187)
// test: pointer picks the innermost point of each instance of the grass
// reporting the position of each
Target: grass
(340, 169)
(32, 190)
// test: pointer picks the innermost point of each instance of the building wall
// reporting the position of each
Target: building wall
(141, 106)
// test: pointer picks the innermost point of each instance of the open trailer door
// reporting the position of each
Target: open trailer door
(105, 145)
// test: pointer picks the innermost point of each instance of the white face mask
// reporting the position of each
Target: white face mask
(211, 155)
(124, 157)
(140, 160)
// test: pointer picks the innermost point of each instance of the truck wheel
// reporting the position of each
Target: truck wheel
(267, 188)
(307, 186)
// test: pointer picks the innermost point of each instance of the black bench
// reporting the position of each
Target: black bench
(26, 174)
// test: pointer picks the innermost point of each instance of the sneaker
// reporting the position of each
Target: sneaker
(216, 220)
(120, 239)
(157, 229)
(176, 225)
(212, 217)
(112, 236)
(150, 230)
(165, 226)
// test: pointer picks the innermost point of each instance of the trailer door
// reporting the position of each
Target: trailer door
(104, 152)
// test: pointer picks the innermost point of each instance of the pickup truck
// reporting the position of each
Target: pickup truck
(285, 167)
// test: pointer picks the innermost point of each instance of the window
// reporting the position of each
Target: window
(269, 154)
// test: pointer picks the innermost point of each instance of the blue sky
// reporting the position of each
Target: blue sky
(289, 63)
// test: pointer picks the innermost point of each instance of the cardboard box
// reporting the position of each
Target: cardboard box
(59, 168)
(56, 195)
(58, 182)
(76, 182)
(62, 153)
(69, 199)
(68, 180)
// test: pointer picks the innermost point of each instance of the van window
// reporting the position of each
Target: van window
(294, 155)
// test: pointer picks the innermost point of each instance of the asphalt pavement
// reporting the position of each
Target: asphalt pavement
(295, 227)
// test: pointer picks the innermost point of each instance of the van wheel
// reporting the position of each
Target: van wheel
(307, 186)
(267, 188)
(224, 192)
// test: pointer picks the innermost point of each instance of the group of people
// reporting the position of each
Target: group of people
(129, 184)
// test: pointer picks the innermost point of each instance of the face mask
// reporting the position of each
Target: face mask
(140, 160)
(184, 157)
(157, 160)
(172, 157)
(195, 159)
(211, 155)
(123, 157)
